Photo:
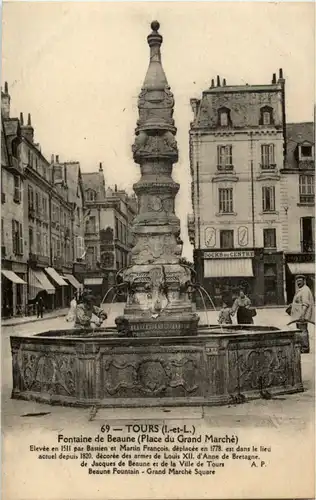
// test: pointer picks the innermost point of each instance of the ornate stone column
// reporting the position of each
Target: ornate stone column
(158, 301)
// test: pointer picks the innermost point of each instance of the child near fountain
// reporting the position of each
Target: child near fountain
(225, 314)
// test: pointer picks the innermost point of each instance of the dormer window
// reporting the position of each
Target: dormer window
(224, 117)
(266, 116)
(306, 151)
(91, 195)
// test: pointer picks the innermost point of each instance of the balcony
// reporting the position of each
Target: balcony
(307, 164)
(225, 168)
(307, 199)
(268, 166)
(3, 252)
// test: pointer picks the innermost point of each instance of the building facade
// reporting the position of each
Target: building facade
(13, 242)
(108, 237)
(38, 225)
(298, 199)
(236, 156)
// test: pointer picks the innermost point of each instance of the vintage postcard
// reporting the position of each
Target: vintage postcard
(158, 250)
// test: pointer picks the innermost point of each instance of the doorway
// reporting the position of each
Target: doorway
(270, 284)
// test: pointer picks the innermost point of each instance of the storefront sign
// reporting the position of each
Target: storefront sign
(299, 257)
(231, 254)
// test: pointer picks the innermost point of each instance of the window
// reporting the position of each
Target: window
(116, 228)
(17, 189)
(224, 117)
(91, 257)
(80, 251)
(266, 116)
(17, 237)
(30, 198)
(306, 188)
(45, 211)
(269, 238)
(2, 231)
(267, 156)
(268, 199)
(306, 151)
(224, 157)
(91, 225)
(38, 240)
(45, 244)
(37, 204)
(307, 234)
(225, 201)
(91, 195)
(31, 240)
(226, 238)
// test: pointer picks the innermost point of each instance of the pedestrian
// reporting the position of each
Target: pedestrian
(242, 305)
(85, 309)
(40, 307)
(225, 314)
(302, 311)
(72, 310)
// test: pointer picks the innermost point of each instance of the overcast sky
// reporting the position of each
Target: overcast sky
(78, 69)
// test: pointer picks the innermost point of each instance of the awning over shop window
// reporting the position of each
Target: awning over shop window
(55, 276)
(93, 281)
(73, 281)
(37, 279)
(228, 268)
(302, 268)
(10, 275)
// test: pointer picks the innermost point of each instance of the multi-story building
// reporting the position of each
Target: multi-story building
(42, 220)
(236, 155)
(108, 237)
(298, 201)
(13, 242)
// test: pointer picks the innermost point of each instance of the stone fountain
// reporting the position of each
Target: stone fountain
(157, 355)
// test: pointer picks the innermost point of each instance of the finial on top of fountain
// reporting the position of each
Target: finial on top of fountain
(154, 39)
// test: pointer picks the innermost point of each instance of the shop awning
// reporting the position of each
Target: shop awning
(37, 279)
(75, 283)
(55, 276)
(13, 277)
(228, 268)
(302, 267)
(93, 281)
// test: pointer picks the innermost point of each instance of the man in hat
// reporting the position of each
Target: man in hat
(302, 310)
(85, 309)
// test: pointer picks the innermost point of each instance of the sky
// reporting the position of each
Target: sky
(78, 69)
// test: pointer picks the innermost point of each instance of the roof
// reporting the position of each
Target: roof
(95, 182)
(244, 88)
(297, 133)
(4, 151)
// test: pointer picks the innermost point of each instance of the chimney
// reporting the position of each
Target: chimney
(27, 130)
(212, 84)
(57, 158)
(195, 105)
(274, 78)
(115, 188)
(21, 119)
(52, 159)
(224, 82)
(100, 167)
(218, 81)
(5, 101)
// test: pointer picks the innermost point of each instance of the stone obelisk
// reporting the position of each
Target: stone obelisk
(158, 302)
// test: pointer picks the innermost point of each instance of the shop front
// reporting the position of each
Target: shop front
(13, 293)
(224, 272)
(40, 286)
(295, 264)
(60, 286)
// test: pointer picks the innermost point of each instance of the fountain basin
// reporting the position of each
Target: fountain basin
(216, 367)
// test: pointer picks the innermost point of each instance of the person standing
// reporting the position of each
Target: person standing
(302, 310)
(225, 314)
(72, 310)
(242, 306)
(40, 307)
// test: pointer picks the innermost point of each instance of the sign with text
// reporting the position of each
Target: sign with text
(231, 254)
